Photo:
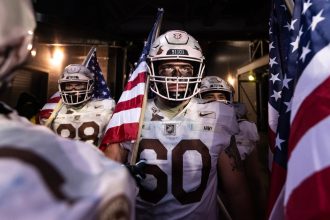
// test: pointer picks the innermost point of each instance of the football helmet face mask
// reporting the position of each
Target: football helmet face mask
(176, 66)
(214, 84)
(16, 36)
(76, 84)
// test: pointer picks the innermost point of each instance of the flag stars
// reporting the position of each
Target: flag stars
(300, 31)
(288, 26)
(272, 61)
(286, 82)
(292, 24)
(316, 19)
(295, 44)
(305, 51)
(274, 78)
(271, 46)
(276, 95)
(288, 105)
(306, 6)
(278, 142)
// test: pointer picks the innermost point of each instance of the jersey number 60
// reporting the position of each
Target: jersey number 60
(178, 191)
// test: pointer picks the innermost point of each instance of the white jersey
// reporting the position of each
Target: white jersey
(45, 176)
(246, 138)
(182, 155)
(87, 123)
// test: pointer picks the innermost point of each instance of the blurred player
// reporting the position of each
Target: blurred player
(42, 175)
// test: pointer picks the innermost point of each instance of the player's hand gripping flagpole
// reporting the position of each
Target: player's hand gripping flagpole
(101, 90)
(127, 119)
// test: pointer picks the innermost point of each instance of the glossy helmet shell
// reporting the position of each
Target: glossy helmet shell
(80, 74)
(177, 46)
(216, 84)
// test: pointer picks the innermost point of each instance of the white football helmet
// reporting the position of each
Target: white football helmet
(17, 26)
(79, 74)
(176, 46)
(216, 84)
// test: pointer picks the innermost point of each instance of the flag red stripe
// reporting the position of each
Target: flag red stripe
(141, 77)
(54, 99)
(311, 200)
(314, 108)
(129, 104)
(124, 132)
(45, 114)
(278, 179)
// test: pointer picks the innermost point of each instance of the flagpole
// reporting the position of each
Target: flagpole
(135, 149)
(290, 5)
(89, 56)
(59, 105)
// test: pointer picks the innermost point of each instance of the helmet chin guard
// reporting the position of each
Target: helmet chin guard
(175, 46)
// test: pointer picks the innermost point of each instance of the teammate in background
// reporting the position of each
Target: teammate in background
(81, 117)
(214, 88)
(184, 141)
(42, 175)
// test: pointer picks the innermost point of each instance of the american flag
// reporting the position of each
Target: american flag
(124, 124)
(280, 94)
(305, 97)
(101, 89)
(307, 191)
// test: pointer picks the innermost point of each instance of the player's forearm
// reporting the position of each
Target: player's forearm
(241, 205)
(116, 153)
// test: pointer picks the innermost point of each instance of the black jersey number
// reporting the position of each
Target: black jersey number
(178, 191)
(81, 131)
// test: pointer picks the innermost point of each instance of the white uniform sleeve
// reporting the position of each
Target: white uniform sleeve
(250, 130)
(227, 118)
(59, 177)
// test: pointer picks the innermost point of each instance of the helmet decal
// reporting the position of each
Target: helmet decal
(177, 35)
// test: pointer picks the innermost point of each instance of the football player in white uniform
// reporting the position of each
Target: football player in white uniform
(42, 175)
(81, 117)
(184, 141)
(213, 88)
